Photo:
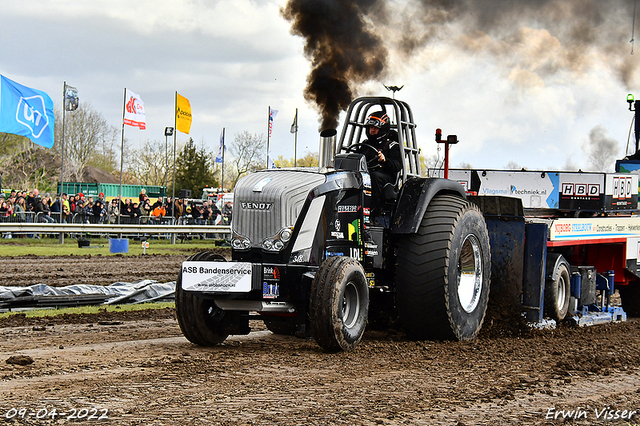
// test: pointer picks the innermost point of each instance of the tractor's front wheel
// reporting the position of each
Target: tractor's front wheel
(339, 304)
(202, 322)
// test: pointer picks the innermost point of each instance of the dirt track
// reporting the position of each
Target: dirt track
(138, 369)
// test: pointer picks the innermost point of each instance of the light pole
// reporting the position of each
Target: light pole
(168, 131)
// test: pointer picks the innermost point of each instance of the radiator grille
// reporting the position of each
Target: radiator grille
(258, 214)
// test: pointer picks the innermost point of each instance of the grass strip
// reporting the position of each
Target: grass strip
(93, 309)
(98, 246)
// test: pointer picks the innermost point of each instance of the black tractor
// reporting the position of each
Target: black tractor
(310, 259)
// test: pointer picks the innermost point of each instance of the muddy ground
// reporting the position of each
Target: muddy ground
(136, 368)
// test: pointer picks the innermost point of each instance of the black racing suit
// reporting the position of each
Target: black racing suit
(382, 172)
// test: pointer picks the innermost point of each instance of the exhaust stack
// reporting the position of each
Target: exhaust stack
(327, 147)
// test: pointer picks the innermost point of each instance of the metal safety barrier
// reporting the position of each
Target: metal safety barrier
(79, 229)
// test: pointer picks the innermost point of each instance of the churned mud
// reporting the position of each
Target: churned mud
(131, 368)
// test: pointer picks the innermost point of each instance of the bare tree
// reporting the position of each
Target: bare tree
(309, 160)
(247, 152)
(10, 144)
(149, 164)
(602, 151)
(87, 137)
(429, 162)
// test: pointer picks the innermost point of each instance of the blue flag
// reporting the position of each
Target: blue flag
(220, 156)
(26, 112)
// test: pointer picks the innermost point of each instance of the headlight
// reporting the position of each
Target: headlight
(278, 241)
(285, 234)
(239, 242)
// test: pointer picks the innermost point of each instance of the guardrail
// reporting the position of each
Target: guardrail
(22, 228)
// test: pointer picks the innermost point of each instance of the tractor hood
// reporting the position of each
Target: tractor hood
(268, 201)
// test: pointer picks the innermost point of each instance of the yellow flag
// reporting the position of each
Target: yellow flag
(183, 114)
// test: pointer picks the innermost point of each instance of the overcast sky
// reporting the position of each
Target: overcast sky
(509, 96)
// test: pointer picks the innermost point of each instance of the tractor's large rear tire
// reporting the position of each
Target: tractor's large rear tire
(557, 290)
(443, 272)
(202, 322)
(339, 304)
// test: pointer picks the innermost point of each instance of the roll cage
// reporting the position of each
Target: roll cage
(401, 121)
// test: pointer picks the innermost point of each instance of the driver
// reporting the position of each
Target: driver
(387, 162)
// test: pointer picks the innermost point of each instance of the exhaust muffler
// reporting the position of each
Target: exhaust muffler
(327, 147)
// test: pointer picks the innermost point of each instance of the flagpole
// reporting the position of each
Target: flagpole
(295, 141)
(173, 185)
(64, 94)
(268, 132)
(222, 177)
(120, 203)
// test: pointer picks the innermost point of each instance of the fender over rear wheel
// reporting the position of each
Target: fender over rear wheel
(443, 271)
(339, 304)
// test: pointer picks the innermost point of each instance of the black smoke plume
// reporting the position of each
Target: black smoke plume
(343, 49)
(349, 42)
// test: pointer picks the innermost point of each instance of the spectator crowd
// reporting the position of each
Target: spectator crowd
(28, 206)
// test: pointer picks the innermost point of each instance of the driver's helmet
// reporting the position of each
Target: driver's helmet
(380, 120)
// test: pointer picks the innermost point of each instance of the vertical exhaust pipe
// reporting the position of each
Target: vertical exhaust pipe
(327, 147)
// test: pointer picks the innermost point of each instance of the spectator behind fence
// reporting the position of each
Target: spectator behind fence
(169, 207)
(135, 211)
(158, 212)
(98, 212)
(61, 205)
(72, 203)
(215, 215)
(32, 200)
(88, 211)
(227, 213)
(65, 208)
(38, 209)
(9, 207)
(143, 193)
(55, 206)
(145, 207)
(113, 211)
(79, 211)
(196, 213)
(4, 207)
(186, 215)
(178, 209)
(126, 208)
(20, 210)
(157, 203)
(45, 209)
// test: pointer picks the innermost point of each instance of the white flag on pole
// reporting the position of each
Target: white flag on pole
(134, 110)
